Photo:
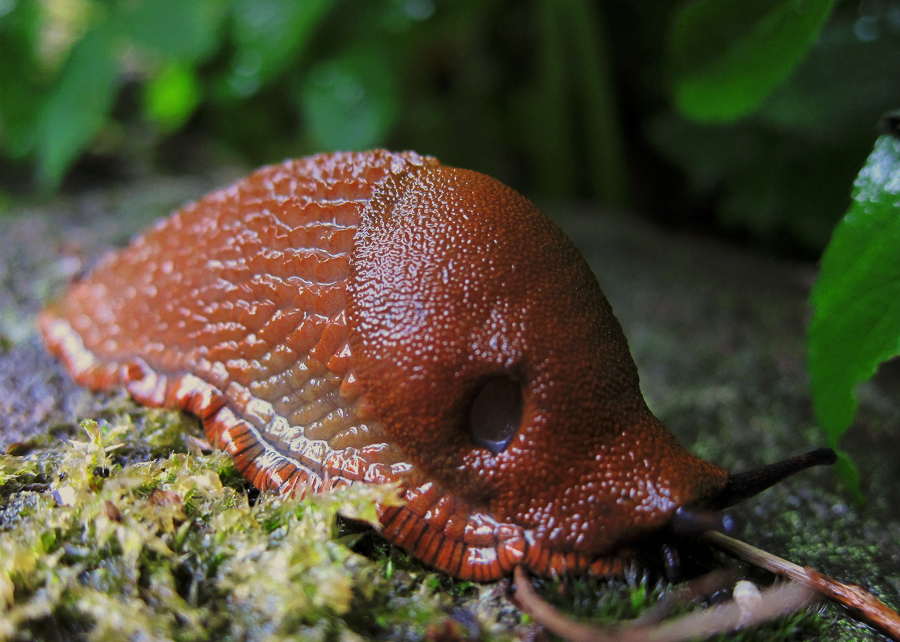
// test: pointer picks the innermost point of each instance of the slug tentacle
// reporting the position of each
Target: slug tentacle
(377, 317)
(691, 521)
(745, 485)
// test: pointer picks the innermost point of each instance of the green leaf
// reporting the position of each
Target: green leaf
(856, 299)
(726, 56)
(77, 106)
(171, 97)
(350, 102)
(269, 34)
(20, 90)
(177, 30)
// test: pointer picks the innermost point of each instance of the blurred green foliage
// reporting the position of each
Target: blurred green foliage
(751, 116)
(728, 55)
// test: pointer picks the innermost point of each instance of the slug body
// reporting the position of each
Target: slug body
(378, 317)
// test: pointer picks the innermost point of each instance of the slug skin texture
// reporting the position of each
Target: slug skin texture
(379, 317)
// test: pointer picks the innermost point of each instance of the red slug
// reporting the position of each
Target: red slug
(379, 317)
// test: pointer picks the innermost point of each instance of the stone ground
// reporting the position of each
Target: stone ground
(717, 333)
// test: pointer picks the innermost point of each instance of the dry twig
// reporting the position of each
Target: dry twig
(778, 600)
(859, 602)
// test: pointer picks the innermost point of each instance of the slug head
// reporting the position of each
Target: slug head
(489, 353)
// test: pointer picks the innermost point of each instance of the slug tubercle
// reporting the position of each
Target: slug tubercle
(373, 317)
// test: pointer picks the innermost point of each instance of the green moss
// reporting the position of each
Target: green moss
(130, 530)
(118, 547)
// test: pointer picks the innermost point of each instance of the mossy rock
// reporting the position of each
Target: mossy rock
(120, 524)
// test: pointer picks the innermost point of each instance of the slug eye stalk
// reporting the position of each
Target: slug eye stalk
(689, 521)
(745, 485)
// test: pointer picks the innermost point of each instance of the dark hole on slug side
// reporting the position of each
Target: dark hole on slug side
(496, 414)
